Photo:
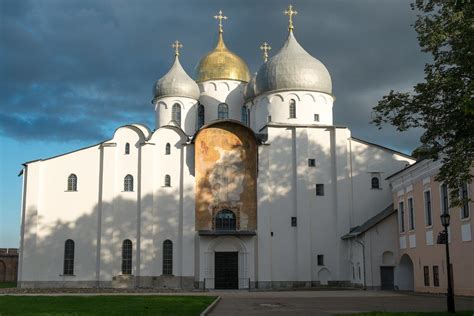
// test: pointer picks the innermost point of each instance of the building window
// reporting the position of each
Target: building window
(401, 211)
(127, 149)
(128, 183)
(353, 273)
(68, 268)
(320, 189)
(444, 198)
(320, 260)
(244, 115)
(225, 220)
(435, 276)
(464, 196)
(426, 275)
(358, 267)
(127, 257)
(292, 108)
(167, 180)
(200, 115)
(222, 111)
(72, 182)
(167, 149)
(269, 118)
(311, 162)
(375, 182)
(316, 117)
(428, 217)
(168, 257)
(411, 214)
(293, 221)
(176, 113)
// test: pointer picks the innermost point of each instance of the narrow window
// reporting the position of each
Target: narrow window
(428, 217)
(411, 214)
(353, 272)
(311, 162)
(320, 260)
(426, 275)
(375, 183)
(444, 199)
(320, 189)
(292, 108)
(72, 182)
(464, 196)
(168, 257)
(127, 149)
(222, 111)
(176, 113)
(200, 116)
(401, 211)
(269, 119)
(128, 183)
(167, 180)
(167, 149)
(68, 268)
(225, 220)
(435, 276)
(358, 267)
(127, 257)
(293, 221)
(316, 117)
(244, 115)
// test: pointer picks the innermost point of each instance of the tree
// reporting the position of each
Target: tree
(442, 105)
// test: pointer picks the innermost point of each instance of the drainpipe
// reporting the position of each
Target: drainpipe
(363, 260)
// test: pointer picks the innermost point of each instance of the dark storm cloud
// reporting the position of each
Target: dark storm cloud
(78, 69)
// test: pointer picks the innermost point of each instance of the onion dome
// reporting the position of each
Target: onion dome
(249, 92)
(176, 83)
(292, 68)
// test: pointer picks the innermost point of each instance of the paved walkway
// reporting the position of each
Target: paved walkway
(328, 302)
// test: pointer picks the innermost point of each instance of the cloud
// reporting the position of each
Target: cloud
(78, 69)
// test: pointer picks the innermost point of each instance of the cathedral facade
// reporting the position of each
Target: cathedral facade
(244, 183)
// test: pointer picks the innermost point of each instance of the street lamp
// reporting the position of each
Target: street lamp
(445, 218)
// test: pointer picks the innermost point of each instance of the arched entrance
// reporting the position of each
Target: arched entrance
(405, 274)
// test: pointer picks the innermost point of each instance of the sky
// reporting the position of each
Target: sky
(71, 72)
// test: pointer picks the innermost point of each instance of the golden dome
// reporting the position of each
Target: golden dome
(222, 64)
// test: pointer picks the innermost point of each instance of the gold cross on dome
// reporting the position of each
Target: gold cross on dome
(220, 17)
(265, 48)
(290, 12)
(176, 45)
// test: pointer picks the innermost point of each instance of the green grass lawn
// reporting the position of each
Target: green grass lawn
(462, 313)
(4, 285)
(103, 305)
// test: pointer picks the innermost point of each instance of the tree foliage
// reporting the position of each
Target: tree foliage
(442, 105)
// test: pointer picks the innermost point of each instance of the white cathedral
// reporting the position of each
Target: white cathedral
(244, 183)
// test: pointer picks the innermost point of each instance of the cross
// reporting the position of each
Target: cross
(265, 48)
(176, 45)
(290, 13)
(220, 17)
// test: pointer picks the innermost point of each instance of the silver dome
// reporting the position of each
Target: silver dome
(249, 92)
(292, 68)
(176, 83)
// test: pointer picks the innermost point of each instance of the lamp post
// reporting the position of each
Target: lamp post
(445, 218)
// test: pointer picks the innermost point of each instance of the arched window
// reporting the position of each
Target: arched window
(128, 183)
(68, 268)
(292, 108)
(127, 149)
(244, 115)
(167, 257)
(176, 113)
(225, 220)
(167, 180)
(167, 149)
(200, 115)
(72, 182)
(375, 182)
(127, 257)
(222, 111)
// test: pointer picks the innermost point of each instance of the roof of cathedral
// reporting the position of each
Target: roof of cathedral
(249, 92)
(176, 83)
(222, 64)
(293, 68)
